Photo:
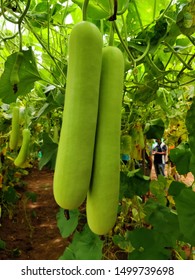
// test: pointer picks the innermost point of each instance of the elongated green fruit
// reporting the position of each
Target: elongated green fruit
(23, 153)
(102, 198)
(76, 145)
(14, 76)
(14, 136)
(55, 134)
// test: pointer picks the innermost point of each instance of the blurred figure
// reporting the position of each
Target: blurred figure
(159, 153)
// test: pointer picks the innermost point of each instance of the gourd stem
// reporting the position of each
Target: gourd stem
(84, 10)
(111, 37)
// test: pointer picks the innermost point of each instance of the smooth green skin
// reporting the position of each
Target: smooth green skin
(102, 198)
(14, 136)
(76, 145)
(23, 153)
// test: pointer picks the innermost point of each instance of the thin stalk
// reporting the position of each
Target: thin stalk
(124, 9)
(176, 54)
(84, 10)
(111, 37)
(123, 44)
(139, 18)
(114, 13)
(145, 52)
(124, 28)
(154, 10)
(48, 27)
(166, 9)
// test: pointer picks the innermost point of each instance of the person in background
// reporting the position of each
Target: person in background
(159, 152)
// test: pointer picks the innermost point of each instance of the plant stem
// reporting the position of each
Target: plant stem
(177, 55)
(124, 9)
(115, 7)
(124, 45)
(154, 10)
(139, 19)
(84, 10)
(111, 37)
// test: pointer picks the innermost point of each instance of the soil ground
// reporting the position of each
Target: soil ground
(32, 232)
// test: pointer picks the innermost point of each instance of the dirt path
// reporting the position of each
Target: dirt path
(33, 233)
(187, 179)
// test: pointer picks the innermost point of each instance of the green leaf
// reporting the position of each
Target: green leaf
(166, 224)
(185, 206)
(122, 242)
(96, 9)
(10, 195)
(186, 19)
(190, 118)
(2, 244)
(49, 152)
(158, 189)
(190, 124)
(67, 226)
(28, 74)
(192, 164)
(147, 247)
(180, 156)
(175, 188)
(154, 129)
(133, 183)
(85, 246)
(31, 196)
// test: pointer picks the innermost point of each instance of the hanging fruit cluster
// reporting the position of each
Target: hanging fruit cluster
(88, 158)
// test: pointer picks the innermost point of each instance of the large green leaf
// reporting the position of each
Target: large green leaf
(166, 224)
(67, 226)
(10, 195)
(180, 156)
(147, 247)
(158, 188)
(175, 188)
(190, 124)
(49, 152)
(192, 164)
(28, 74)
(96, 10)
(133, 183)
(101, 9)
(185, 206)
(186, 19)
(154, 128)
(85, 246)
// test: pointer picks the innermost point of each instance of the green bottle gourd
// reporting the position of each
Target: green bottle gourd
(23, 153)
(76, 144)
(14, 135)
(103, 195)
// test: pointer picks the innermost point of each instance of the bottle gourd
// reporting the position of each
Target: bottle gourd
(23, 153)
(76, 144)
(103, 195)
(14, 136)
